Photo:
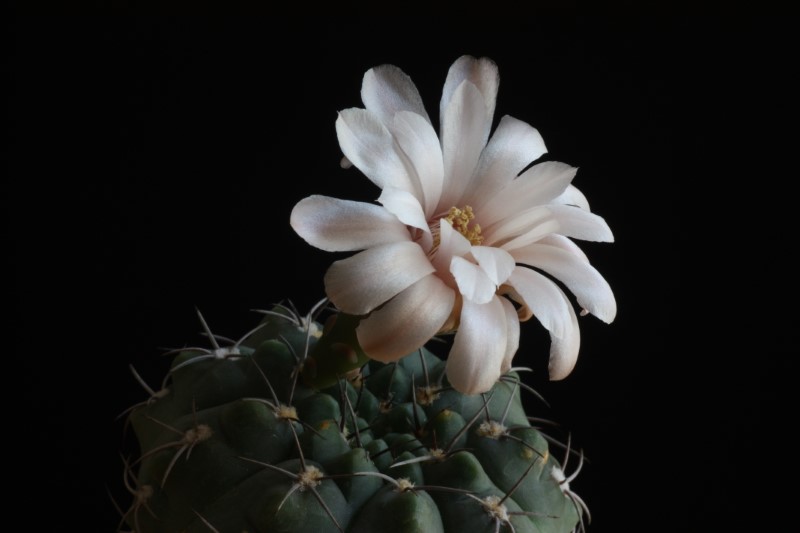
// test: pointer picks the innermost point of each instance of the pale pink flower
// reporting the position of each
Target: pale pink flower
(462, 240)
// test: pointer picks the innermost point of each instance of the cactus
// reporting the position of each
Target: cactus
(293, 429)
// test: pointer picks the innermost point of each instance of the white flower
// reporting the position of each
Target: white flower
(461, 235)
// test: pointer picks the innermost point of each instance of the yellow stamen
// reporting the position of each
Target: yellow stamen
(462, 221)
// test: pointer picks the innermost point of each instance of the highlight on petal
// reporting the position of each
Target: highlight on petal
(337, 225)
(463, 138)
(476, 359)
(482, 73)
(589, 287)
(369, 145)
(407, 321)
(473, 283)
(565, 243)
(513, 146)
(418, 140)
(496, 263)
(360, 283)
(386, 89)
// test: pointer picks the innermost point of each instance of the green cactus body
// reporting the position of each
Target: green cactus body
(293, 432)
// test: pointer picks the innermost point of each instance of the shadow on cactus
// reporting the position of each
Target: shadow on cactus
(292, 429)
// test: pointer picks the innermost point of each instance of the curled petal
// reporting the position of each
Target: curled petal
(342, 225)
(496, 263)
(473, 283)
(479, 349)
(386, 90)
(369, 145)
(407, 321)
(360, 283)
(591, 290)
(542, 297)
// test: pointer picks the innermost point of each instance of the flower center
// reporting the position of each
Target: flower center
(463, 221)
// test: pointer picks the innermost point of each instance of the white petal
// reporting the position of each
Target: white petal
(451, 244)
(405, 206)
(342, 225)
(564, 350)
(513, 146)
(581, 224)
(590, 289)
(473, 283)
(512, 334)
(463, 135)
(480, 72)
(542, 229)
(496, 263)
(386, 90)
(542, 297)
(572, 196)
(476, 359)
(407, 321)
(419, 142)
(536, 186)
(565, 244)
(515, 226)
(359, 284)
(367, 143)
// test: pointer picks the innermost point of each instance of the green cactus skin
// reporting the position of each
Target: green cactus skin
(290, 431)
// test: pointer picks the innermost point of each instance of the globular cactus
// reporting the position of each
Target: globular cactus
(293, 429)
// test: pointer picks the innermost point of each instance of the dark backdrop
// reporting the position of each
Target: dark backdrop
(154, 164)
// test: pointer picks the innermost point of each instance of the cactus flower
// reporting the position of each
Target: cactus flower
(467, 235)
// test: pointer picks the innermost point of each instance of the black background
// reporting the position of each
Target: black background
(154, 163)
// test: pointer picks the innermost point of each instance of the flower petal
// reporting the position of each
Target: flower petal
(542, 297)
(565, 243)
(564, 350)
(476, 359)
(512, 227)
(451, 244)
(386, 90)
(513, 146)
(473, 283)
(512, 334)
(405, 206)
(536, 186)
(591, 290)
(572, 196)
(419, 142)
(463, 138)
(337, 225)
(581, 224)
(407, 321)
(496, 263)
(360, 283)
(367, 143)
(482, 73)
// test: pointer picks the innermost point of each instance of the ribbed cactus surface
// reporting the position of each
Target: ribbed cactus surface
(292, 430)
